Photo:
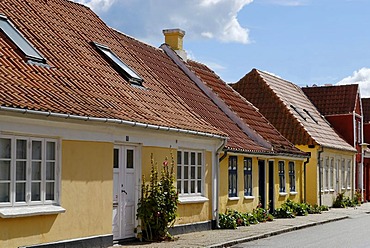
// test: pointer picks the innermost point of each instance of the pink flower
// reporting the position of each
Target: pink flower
(165, 163)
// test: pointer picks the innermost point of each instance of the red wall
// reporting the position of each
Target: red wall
(343, 124)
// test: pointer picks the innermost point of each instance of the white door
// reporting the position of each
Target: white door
(124, 192)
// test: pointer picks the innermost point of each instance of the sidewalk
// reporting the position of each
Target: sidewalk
(225, 238)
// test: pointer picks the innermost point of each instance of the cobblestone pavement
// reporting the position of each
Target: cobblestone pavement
(225, 238)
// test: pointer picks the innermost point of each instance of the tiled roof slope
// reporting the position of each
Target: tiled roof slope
(172, 78)
(286, 106)
(334, 100)
(80, 81)
(244, 109)
(366, 109)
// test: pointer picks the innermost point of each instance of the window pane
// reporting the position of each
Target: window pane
(21, 149)
(192, 158)
(50, 171)
(186, 158)
(192, 172)
(21, 170)
(192, 190)
(199, 158)
(130, 159)
(179, 157)
(49, 191)
(4, 170)
(4, 192)
(20, 192)
(50, 150)
(5, 148)
(186, 188)
(36, 150)
(179, 172)
(36, 170)
(199, 176)
(186, 172)
(199, 186)
(35, 192)
(115, 158)
(179, 187)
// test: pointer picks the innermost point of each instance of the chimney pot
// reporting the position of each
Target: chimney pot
(174, 38)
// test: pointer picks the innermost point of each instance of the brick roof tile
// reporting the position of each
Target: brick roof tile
(334, 100)
(286, 106)
(79, 80)
(244, 109)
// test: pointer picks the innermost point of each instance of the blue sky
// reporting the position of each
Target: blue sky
(303, 41)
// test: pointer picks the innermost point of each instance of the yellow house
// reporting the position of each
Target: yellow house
(80, 116)
(330, 169)
(258, 165)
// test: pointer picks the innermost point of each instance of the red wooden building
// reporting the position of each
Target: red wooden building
(341, 106)
(366, 149)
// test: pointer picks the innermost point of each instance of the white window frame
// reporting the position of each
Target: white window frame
(12, 203)
(343, 174)
(197, 195)
(248, 177)
(348, 178)
(326, 175)
(292, 177)
(282, 179)
(331, 175)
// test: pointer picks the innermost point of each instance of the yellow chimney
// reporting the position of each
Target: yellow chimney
(173, 38)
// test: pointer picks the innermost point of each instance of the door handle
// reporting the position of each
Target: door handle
(124, 191)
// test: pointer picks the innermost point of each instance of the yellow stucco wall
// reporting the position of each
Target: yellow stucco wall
(86, 194)
(313, 188)
(187, 212)
(242, 204)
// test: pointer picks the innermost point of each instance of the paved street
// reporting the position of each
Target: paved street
(225, 238)
(350, 232)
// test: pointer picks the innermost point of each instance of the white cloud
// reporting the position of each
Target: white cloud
(361, 77)
(287, 2)
(97, 5)
(201, 19)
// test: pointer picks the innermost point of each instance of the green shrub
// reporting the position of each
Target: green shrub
(227, 221)
(158, 203)
(343, 202)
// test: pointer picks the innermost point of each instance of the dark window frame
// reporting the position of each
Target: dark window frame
(233, 176)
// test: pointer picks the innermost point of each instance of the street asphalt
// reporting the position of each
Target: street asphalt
(226, 237)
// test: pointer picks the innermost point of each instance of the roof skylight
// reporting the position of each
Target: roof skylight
(309, 114)
(31, 54)
(122, 68)
(298, 112)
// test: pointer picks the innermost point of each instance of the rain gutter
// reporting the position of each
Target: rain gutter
(109, 120)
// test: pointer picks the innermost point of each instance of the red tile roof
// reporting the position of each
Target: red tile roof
(173, 79)
(244, 109)
(80, 81)
(334, 100)
(286, 106)
(366, 109)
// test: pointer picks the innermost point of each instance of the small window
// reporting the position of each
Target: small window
(31, 54)
(281, 176)
(119, 65)
(292, 177)
(326, 174)
(233, 176)
(332, 173)
(298, 112)
(248, 177)
(190, 173)
(28, 171)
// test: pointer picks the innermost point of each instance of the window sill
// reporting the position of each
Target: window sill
(331, 190)
(349, 188)
(234, 198)
(283, 194)
(15, 212)
(251, 197)
(192, 199)
(326, 191)
(293, 193)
